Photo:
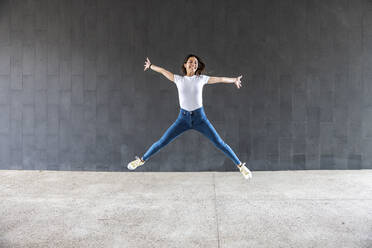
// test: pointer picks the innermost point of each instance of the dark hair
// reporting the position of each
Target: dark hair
(201, 65)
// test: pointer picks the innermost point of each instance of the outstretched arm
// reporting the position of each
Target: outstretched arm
(163, 71)
(236, 81)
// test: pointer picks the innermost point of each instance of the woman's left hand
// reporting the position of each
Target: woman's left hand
(237, 82)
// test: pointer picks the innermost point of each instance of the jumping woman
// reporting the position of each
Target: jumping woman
(191, 115)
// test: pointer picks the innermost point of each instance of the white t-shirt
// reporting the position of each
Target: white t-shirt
(190, 90)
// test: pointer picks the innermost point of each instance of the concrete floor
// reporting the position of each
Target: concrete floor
(178, 209)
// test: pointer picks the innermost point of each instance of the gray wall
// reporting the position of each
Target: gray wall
(73, 94)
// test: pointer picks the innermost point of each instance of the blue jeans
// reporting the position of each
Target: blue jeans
(197, 120)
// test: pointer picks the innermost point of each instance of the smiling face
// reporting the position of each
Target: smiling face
(191, 65)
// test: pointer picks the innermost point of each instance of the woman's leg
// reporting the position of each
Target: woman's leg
(177, 128)
(206, 128)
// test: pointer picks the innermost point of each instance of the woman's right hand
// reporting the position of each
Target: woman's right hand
(147, 64)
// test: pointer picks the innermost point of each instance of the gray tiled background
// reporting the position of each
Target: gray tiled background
(73, 94)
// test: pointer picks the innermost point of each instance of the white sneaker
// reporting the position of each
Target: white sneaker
(135, 163)
(245, 171)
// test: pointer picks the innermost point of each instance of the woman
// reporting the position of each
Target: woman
(192, 115)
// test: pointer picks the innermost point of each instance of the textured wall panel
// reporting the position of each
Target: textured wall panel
(73, 94)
